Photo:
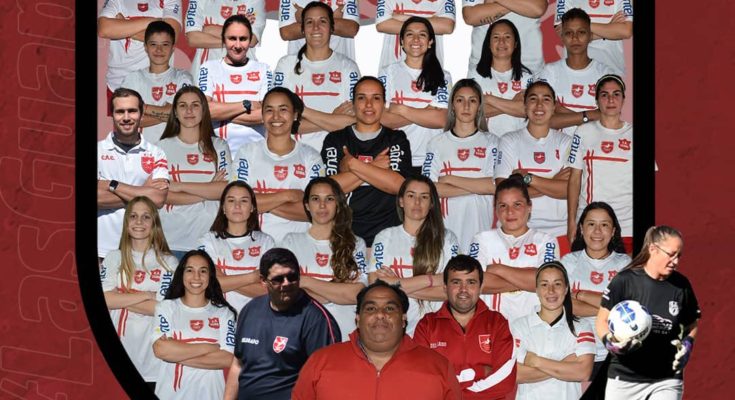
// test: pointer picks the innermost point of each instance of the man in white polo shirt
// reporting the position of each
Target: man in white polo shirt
(127, 166)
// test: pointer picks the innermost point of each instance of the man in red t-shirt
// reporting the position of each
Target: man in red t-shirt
(475, 339)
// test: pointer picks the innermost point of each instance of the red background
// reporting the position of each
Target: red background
(46, 347)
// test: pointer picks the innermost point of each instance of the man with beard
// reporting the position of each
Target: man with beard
(276, 333)
(380, 361)
(474, 338)
(127, 166)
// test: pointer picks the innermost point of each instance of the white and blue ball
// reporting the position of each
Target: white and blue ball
(629, 320)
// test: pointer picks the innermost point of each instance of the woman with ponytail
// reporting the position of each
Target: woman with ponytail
(320, 75)
(417, 89)
(554, 349)
(279, 168)
(332, 259)
(652, 368)
(415, 253)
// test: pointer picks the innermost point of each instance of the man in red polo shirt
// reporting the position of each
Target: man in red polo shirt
(476, 340)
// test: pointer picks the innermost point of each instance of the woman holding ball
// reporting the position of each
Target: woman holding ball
(652, 368)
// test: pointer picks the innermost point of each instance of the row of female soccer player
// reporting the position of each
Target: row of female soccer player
(186, 354)
(442, 146)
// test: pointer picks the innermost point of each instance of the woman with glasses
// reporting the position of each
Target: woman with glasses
(652, 368)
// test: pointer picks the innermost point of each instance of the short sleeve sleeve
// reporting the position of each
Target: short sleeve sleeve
(577, 148)
(160, 169)
(260, 16)
(286, 13)
(227, 330)
(110, 272)
(206, 84)
(351, 11)
(162, 321)
(441, 99)
(402, 147)
(376, 259)
(110, 9)
(384, 10)
(172, 10)
(361, 261)
(194, 17)
(506, 158)
(614, 293)
(431, 167)
(585, 338)
(448, 10)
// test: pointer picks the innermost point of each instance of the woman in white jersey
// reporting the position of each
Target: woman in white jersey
(235, 85)
(537, 152)
(512, 252)
(503, 77)
(554, 348)
(198, 164)
(601, 160)
(597, 256)
(279, 168)
(195, 332)
(321, 76)
(333, 260)
(235, 243)
(204, 21)
(134, 277)
(415, 253)
(417, 89)
(461, 161)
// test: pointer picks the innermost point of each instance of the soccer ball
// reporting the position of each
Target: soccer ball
(629, 320)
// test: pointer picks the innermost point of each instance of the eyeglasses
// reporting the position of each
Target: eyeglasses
(672, 256)
(278, 280)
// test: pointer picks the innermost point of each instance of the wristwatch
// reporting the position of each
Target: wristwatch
(527, 179)
(113, 185)
(585, 118)
(247, 105)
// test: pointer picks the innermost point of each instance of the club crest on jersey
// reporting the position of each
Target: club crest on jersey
(242, 9)
(609, 2)
(335, 76)
(299, 171)
(591, 91)
(157, 92)
(624, 144)
(280, 172)
(480, 152)
(254, 251)
(513, 252)
(530, 249)
(596, 277)
(517, 342)
(139, 277)
(416, 1)
(147, 163)
(539, 157)
(213, 322)
(225, 12)
(463, 154)
(516, 85)
(238, 254)
(556, 152)
(577, 90)
(196, 324)
(235, 78)
(279, 343)
(503, 87)
(611, 275)
(321, 259)
(340, 3)
(170, 89)
(317, 79)
(674, 308)
(365, 159)
(156, 275)
(594, 3)
(415, 87)
(485, 342)
(207, 158)
(192, 158)
(142, 7)
(254, 76)
(607, 146)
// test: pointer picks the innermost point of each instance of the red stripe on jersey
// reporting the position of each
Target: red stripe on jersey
(326, 317)
(532, 169)
(301, 92)
(401, 10)
(315, 275)
(399, 98)
(398, 266)
(448, 169)
(588, 162)
(602, 158)
(223, 267)
(582, 340)
(600, 15)
(586, 334)
(122, 322)
(579, 106)
(198, 339)
(444, 202)
(397, 49)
